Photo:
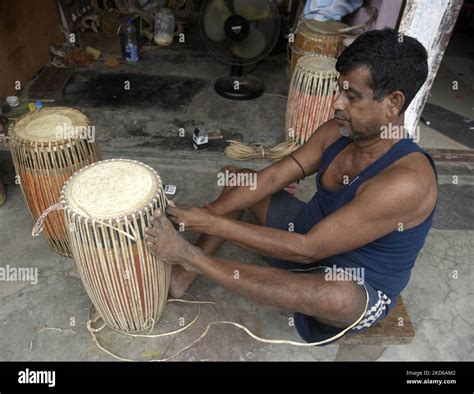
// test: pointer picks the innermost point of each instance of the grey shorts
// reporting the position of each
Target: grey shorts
(281, 213)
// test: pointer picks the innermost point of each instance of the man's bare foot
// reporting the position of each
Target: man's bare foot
(180, 281)
(166, 243)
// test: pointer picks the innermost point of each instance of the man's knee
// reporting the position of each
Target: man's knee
(347, 304)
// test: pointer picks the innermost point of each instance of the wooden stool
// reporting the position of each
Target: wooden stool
(369, 345)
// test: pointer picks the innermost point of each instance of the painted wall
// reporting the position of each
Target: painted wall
(431, 22)
(27, 28)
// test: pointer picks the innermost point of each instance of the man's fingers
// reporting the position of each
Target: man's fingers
(149, 241)
(156, 222)
(173, 211)
(174, 219)
(157, 212)
(152, 232)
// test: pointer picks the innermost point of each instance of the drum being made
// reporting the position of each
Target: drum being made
(47, 147)
(317, 38)
(313, 89)
(107, 206)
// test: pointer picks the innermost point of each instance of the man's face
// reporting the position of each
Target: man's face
(357, 114)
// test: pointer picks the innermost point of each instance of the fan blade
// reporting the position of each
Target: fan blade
(252, 9)
(252, 46)
(214, 19)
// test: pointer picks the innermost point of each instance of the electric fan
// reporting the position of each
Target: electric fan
(240, 33)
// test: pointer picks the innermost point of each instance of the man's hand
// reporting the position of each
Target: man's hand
(163, 241)
(193, 219)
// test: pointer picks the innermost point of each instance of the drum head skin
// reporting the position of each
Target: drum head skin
(322, 27)
(317, 64)
(51, 124)
(111, 189)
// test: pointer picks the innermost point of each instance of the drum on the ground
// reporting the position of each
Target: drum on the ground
(48, 146)
(313, 90)
(107, 206)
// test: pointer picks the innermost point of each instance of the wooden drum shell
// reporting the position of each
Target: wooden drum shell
(313, 90)
(43, 168)
(308, 42)
(126, 283)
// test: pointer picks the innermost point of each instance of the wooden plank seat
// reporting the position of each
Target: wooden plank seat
(395, 329)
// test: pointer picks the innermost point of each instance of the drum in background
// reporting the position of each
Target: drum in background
(313, 90)
(107, 206)
(48, 146)
(317, 38)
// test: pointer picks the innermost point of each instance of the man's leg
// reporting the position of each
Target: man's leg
(315, 299)
(182, 279)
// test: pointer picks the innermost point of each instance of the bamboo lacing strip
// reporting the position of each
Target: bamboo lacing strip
(126, 283)
(239, 151)
(208, 327)
(94, 331)
(127, 300)
(39, 225)
(310, 101)
(43, 168)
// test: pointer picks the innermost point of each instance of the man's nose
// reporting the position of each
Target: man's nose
(338, 104)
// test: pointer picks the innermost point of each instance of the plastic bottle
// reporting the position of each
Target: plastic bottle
(130, 42)
(164, 27)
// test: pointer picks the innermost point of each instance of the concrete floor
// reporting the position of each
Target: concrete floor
(36, 320)
(457, 65)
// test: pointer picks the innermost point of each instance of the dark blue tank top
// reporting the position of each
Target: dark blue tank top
(387, 261)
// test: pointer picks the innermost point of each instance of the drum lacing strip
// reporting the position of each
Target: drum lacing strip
(49, 164)
(94, 331)
(310, 100)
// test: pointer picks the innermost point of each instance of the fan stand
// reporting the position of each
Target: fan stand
(238, 86)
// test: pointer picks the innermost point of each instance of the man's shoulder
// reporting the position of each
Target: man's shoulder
(328, 133)
(414, 168)
(412, 180)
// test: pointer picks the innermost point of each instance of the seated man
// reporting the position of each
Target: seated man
(339, 261)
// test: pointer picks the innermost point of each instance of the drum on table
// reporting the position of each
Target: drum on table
(48, 146)
(107, 206)
(312, 92)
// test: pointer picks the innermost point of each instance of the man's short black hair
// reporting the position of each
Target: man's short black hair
(395, 61)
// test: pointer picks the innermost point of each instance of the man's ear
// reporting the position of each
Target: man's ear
(395, 101)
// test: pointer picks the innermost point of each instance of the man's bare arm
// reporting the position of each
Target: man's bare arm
(376, 211)
(339, 303)
(280, 174)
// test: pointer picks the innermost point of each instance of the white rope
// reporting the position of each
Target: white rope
(224, 322)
